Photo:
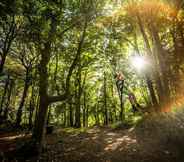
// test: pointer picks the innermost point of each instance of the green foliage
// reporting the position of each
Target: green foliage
(113, 35)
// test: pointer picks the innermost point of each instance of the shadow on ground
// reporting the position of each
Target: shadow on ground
(102, 145)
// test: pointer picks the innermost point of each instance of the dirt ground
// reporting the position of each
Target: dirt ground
(97, 145)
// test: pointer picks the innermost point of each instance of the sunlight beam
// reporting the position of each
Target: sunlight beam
(138, 62)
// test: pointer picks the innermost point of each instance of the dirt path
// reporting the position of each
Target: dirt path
(100, 145)
(107, 145)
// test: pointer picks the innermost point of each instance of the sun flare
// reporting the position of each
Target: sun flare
(138, 62)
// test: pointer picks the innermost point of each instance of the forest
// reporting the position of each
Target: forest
(91, 80)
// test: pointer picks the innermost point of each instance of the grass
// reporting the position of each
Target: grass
(131, 121)
(75, 130)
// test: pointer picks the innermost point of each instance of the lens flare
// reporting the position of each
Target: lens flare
(138, 62)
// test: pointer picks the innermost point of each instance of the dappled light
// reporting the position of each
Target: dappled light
(92, 80)
(113, 145)
(12, 137)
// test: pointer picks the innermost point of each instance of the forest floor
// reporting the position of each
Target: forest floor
(99, 144)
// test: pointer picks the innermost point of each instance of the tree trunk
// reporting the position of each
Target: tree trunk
(120, 93)
(32, 106)
(87, 114)
(78, 100)
(151, 90)
(5, 115)
(45, 100)
(178, 40)
(96, 114)
(65, 116)
(122, 116)
(48, 116)
(3, 58)
(24, 95)
(79, 93)
(41, 117)
(4, 94)
(157, 77)
(84, 117)
(31, 110)
(71, 114)
(10, 36)
(84, 109)
(164, 67)
(106, 120)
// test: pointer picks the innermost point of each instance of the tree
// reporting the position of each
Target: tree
(27, 58)
(8, 32)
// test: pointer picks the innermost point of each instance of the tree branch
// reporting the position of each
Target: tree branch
(71, 69)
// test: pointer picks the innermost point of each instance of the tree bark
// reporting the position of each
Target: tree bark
(164, 67)
(71, 114)
(4, 94)
(24, 95)
(106, 118)
(3, 58)
(31, 110)
(96, 114)
(78, 100)
(45, 99)
(151, 90)
(5, 115)
(84, 109)
(79, 93)
(148, 79)
(87, 115)
(11, 34)
(40, 122)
